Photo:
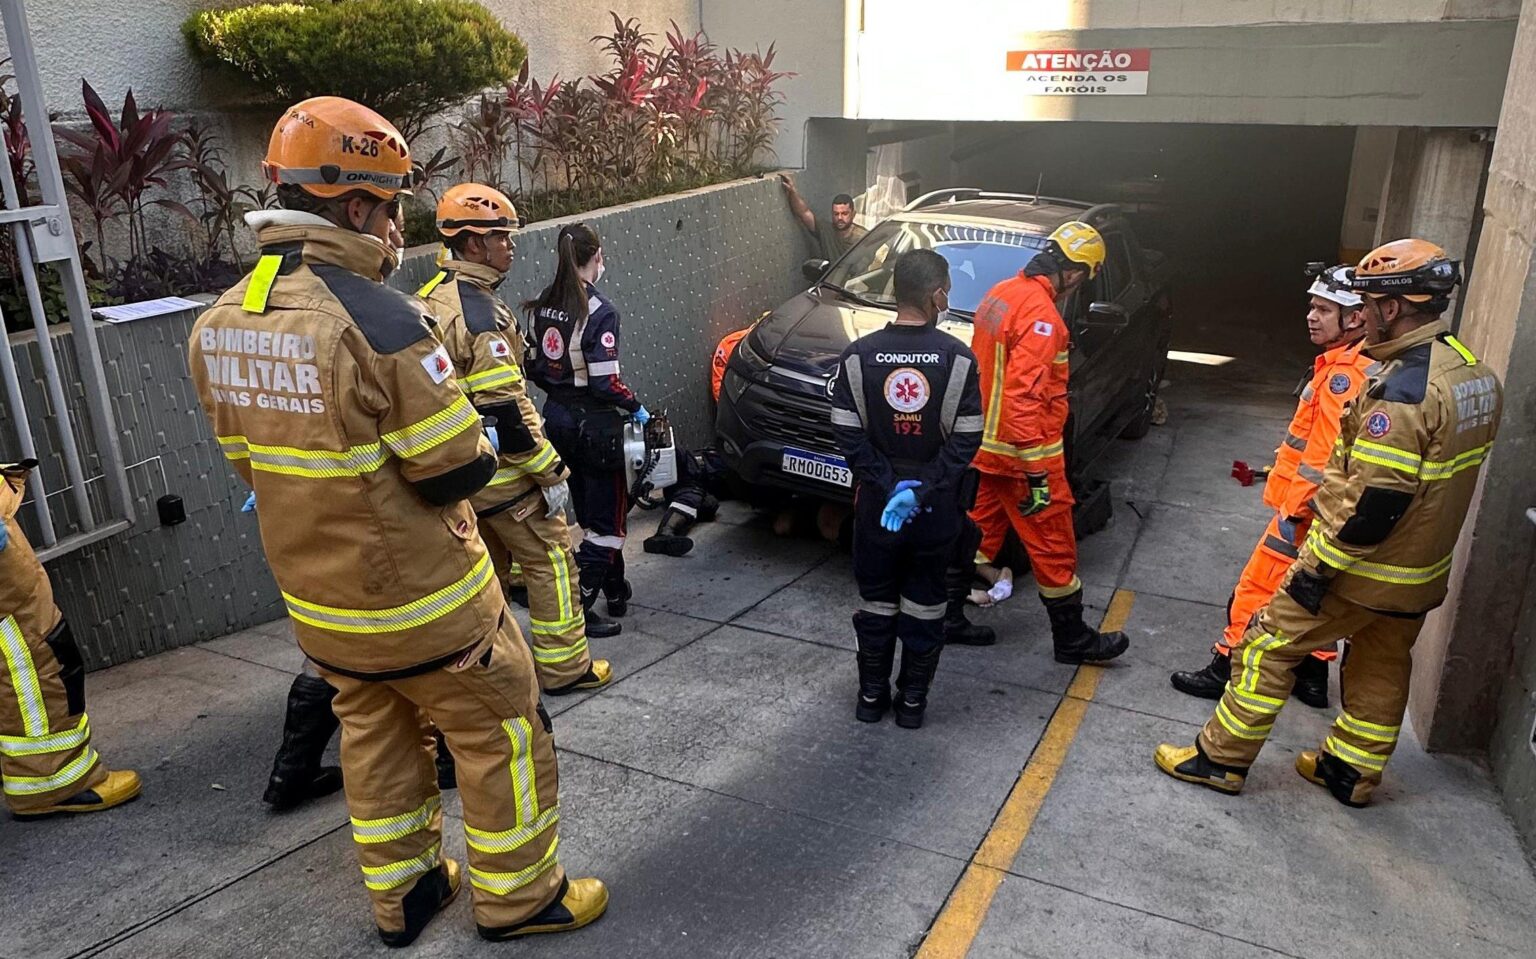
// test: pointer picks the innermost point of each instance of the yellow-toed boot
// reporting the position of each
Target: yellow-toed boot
(1191, 764)
(120, 786)
(429, 896)
(580, 902)
(599, 674)
(1341, 779)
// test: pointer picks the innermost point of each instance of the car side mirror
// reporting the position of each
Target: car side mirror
(1107, 314)
(814, 269)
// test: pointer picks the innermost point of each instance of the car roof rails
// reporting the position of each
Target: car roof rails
(955, 194)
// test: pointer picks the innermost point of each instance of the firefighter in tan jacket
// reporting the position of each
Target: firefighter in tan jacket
(332, 399)
(1378, 555)
(522, 508)
(47, 764)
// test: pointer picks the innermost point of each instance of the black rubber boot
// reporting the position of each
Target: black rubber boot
(297, 775)
(1076, 642)
(447, 772)
(959, 631)
(912, 684)
(1207, 682)
(1311, 686)
(618, 597)
(709, 508)
(874, 681)
(671, 536)
(597, 626)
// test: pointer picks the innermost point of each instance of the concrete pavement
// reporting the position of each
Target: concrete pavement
(723, 790)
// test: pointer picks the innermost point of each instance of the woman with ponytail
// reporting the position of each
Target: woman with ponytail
(573, 353)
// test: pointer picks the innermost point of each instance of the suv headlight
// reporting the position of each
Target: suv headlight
(734, 385)
(748, 351)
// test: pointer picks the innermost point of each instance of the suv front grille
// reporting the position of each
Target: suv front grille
(797, 422)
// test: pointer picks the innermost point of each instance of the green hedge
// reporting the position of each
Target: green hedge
(408, 59)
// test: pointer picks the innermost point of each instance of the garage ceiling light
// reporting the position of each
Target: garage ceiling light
(1203, 359)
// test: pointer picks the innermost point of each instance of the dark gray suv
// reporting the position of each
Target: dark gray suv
(774, 422)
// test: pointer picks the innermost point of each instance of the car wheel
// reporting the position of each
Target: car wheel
(1142, 424)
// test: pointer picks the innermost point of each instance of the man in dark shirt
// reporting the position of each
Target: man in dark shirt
(834, 234)
(906, 409)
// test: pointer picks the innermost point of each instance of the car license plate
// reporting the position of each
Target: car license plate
(817, 466)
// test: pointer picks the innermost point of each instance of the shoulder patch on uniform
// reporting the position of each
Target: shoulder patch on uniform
(594, 303)
(1043, 327)
(500, 348)
(1338, 383)
(607, 339)
(479, 309)
(1406, 378)
(1378, 424)
(437, 365)
(388, 319)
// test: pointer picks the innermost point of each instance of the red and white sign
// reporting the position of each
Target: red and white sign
(1082, 72)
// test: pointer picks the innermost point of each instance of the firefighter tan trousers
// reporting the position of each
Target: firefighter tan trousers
(541, 548)
(1373, 680)
(487, 708)
(45, 735)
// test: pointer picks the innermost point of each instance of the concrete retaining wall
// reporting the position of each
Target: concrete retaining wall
(683, 270)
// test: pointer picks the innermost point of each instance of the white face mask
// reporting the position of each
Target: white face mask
(942, 318)
(601, 269)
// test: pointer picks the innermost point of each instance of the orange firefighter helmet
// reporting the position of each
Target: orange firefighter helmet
(1416, 270)
(475, 208)
(330, 146)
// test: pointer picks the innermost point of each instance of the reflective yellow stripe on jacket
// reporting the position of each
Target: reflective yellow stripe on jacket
(1030, 455)
(1412, 464)
(412, 440)
(1381, 572)
(430, 607)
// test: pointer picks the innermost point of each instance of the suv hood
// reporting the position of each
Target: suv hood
(808, 332)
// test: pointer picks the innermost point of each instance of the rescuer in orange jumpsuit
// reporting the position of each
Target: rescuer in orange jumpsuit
(1334, 322)
(1021, 347)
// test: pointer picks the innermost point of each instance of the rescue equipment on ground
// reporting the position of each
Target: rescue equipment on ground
(650, 458)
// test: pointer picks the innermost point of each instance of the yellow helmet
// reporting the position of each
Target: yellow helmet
(475, 208)
(1081, 244)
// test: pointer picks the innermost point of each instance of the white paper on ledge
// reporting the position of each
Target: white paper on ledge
(148, 308)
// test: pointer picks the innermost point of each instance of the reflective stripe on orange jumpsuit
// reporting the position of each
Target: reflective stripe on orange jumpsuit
(1021, 347)
(1391, 506)
(332, 399)
(45, 735)
(1298, 471)
(478, 331)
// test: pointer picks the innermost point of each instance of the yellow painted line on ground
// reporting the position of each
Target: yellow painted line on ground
(960, 920)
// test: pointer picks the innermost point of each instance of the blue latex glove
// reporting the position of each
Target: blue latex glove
(250, 504)
(494, 437)
(899, 509)
(5, 536)
(641, 416)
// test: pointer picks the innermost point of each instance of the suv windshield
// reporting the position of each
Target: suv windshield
(979, 258)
